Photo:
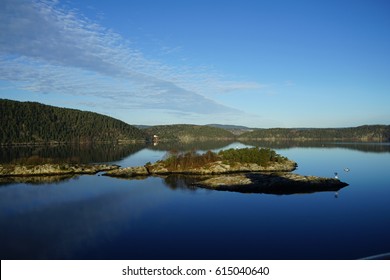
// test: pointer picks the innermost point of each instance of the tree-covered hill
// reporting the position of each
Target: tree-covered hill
(31, 122)
(235, 129)
(188, 132)
(361, 133)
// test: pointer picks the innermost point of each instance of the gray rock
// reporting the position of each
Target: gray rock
(271, 183)
(219, 167)
(52, 169)
(128, 172)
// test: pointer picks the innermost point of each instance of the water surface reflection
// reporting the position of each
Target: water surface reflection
(98, 217)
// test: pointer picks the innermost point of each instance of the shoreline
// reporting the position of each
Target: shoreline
(48, 169)
(239, 179)
(272, 183)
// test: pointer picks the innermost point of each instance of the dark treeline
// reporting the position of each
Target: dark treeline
(35, 123)
(378, 133)
(369, 147)
(189, 133)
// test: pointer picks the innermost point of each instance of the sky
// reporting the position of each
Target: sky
(257, 63)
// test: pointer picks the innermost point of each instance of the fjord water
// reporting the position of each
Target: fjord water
(98, 217)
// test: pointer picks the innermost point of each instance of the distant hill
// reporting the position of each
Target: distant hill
(365, 133)
(35, 123)
(141, 126)
(32, 123)
(235, 129)
(189, 133)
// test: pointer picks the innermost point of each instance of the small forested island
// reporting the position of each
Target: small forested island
(254, 170)
(210, 163)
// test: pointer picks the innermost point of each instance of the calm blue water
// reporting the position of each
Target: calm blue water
(97, 217)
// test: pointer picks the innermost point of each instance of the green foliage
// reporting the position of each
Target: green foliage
(31, 122)
(183, 161)
(261, 156)
(361, 133)
(188, 133)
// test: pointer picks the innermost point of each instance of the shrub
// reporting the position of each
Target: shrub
(182, 161)
(189, 160)
(261, 156)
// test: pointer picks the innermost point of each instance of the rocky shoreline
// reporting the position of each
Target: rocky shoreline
(16, 170)
(238, 177)
(214, 168)
(271, 183)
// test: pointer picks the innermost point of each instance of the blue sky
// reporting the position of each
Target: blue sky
(263, 63)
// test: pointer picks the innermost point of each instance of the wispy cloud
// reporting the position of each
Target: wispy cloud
(49, 48)
(238, 86)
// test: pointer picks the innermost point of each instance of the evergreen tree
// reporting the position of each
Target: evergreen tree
(31, 122)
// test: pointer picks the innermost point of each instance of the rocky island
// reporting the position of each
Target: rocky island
(247, 170)
(271, 183)
(50, 169)
(210, 163)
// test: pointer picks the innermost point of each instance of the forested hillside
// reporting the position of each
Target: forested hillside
(235, 129)
(31, 122)
(188, 132)
(361, 133)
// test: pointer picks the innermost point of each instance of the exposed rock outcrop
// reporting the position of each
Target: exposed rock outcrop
(219, 167)
(272, 183)
(128, 172)
(53, 169)
(274, 178)
(213, 168)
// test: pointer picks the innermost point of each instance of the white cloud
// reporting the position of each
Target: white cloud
(47, 48)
